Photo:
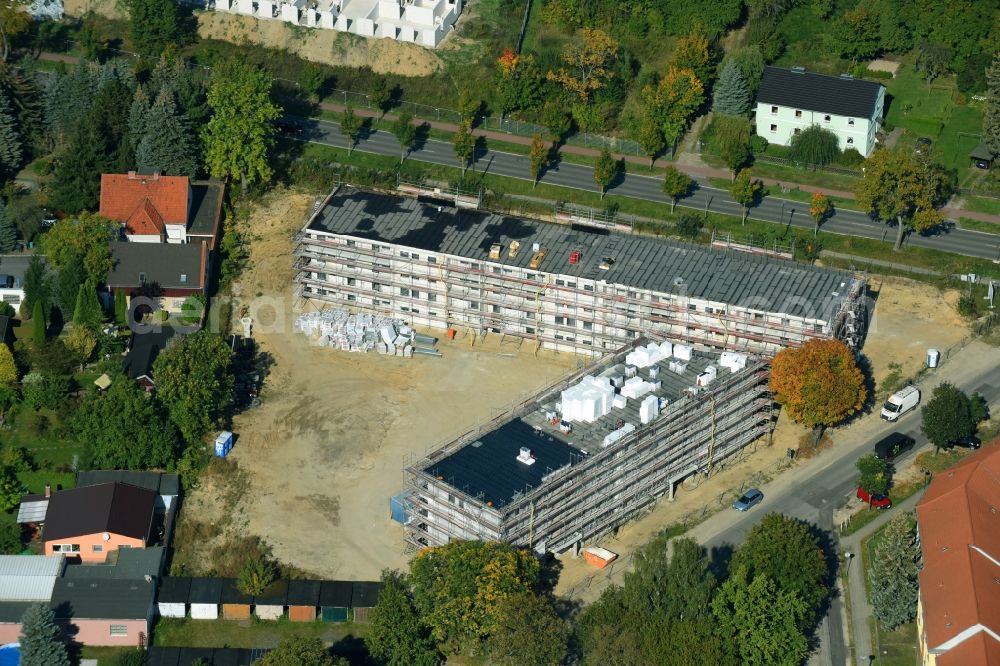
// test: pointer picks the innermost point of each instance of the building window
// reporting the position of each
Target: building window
(798, 113)
(66, 548)
(850, 121)
(432, 260)
(850, 141)
(184, 278)
(119, 630)
(826, 118)
(588, 287)
(142, 277)
(797, 130)
(774, 110)
(376, 286)
(350, 282)
(97, 548)
(774, 128)
(404, 291)
(350, 243)
(588, 325)
(431, 297)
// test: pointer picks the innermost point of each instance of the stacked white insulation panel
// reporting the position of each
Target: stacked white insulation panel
(357, 332)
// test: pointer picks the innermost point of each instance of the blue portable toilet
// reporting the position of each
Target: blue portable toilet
(223, 444)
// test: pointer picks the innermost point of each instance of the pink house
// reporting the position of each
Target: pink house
(92, 521)
(102, 611)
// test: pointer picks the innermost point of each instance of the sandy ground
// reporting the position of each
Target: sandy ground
(910, 318)
(326, 450)
(325, 46)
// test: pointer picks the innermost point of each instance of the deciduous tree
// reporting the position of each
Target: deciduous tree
(991, 107)
(678, 586)
(10, 540)
(745, 191)
(240, 132)
(676, 184)
(893, 572)
(300, 651)
(855, 34)
(819, 383)
(8, 368)
(693, 52)
(469, 105)
(85, 237)
(10, 488)
(674, 100)
(519, 83)
(899, 186)
(820, 207)
(14, 20)
(194, 382)
(605, 170)
(750, 62)
(556, 120)
(464, 144)
(396, 636)
(874, 474)
(588, 62)
(538, 157)
(947, 416)
(381, 95)
(731, 137)
(815, 146)
(153, 25)
(40, 644)
(350, 126)
(651, 138)
(124, 429)
(762, 619)
(81, 342)
(528, 631)
(405, 132)
(732, 96)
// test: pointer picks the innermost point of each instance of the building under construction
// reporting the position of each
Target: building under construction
(582, 286)
(592, 452)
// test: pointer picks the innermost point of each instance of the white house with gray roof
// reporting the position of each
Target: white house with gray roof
(567, 287)
(791, 100)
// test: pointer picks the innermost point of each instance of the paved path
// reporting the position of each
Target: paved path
(786, 212)
(861, 609)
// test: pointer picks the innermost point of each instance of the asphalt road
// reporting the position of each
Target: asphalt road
(771, 209)
(829, 485)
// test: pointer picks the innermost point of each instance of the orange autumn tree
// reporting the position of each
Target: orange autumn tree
(819, 207)
(587, 63)
(819, 383)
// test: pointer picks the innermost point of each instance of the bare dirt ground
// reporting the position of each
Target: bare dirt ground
(910, 318)
(324, 46)
(325, 451)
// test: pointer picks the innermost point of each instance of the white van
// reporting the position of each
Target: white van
(900, 402)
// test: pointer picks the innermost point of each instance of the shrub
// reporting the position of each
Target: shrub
(887, 126)
(758, 144)
(851, 158)
(42, 167)
(689, 225)
(968, 306)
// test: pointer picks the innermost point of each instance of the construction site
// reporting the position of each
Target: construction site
(591, 452)
(580, 286)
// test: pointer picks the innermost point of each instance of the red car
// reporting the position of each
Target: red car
(876, 501)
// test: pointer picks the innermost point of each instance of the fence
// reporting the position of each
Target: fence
(782, 161)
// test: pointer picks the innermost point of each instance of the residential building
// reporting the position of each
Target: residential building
(958, 615)
(166, 485)
(791, 100)
(166, 274)
(153, 208)
(92, 521)
(12, 270)
(568, 287)
(423, 22)
(25, 580)
(143, 348)
(104, 611)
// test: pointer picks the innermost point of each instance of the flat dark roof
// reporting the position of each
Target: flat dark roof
(143, 350)
(303, 592)
(365, 593)
(184, 656)
(205, 590)
(489, 466)
(231, 593)
(174, 590)
(800, 89)
(102, 599)
(335, 593)
(274, 595)
(125, 563)
(644, 262)
(163, 483)
(206, 208)
(11, 612)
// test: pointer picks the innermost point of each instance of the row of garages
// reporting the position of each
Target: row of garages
(303, 600)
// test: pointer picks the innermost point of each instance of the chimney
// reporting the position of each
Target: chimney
(48, 490)
(131, 175)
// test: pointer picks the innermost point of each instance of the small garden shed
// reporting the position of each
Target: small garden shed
(364, 595)
(172, 598)
(205, 596)
(335, 600)
(303, 599)
(270, 605)
(235, 603)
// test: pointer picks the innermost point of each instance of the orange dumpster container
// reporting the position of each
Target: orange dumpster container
(599, 557)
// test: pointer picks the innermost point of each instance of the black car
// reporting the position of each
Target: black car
(892, 445)
(967, 442)
(982, 164)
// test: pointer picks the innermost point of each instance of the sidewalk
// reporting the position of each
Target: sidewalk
(861, 610)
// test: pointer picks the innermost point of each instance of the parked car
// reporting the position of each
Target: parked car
(967, 442)
(876, 501)
(982, 164)
(900, 402)
(748, 499)
(892, 445)
(922, 146)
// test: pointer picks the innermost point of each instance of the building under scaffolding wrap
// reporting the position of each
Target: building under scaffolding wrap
(532, 478)
(578, 286)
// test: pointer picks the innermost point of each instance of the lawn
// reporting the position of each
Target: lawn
(807, 177)
(254, 633)
(982, 205)
(897, 494)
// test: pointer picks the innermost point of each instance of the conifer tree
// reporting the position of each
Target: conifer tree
(166, 143)
(38, 324)
(40, 644)
(121, 309)
(894, 574)
(138, 115)
(10, 140)
(8, 232)
(991, 107)
(732, 96)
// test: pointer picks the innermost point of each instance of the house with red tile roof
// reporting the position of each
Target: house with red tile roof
(153, 208)
(958, 614)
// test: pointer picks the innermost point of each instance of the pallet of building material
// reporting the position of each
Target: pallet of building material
(425, 340)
